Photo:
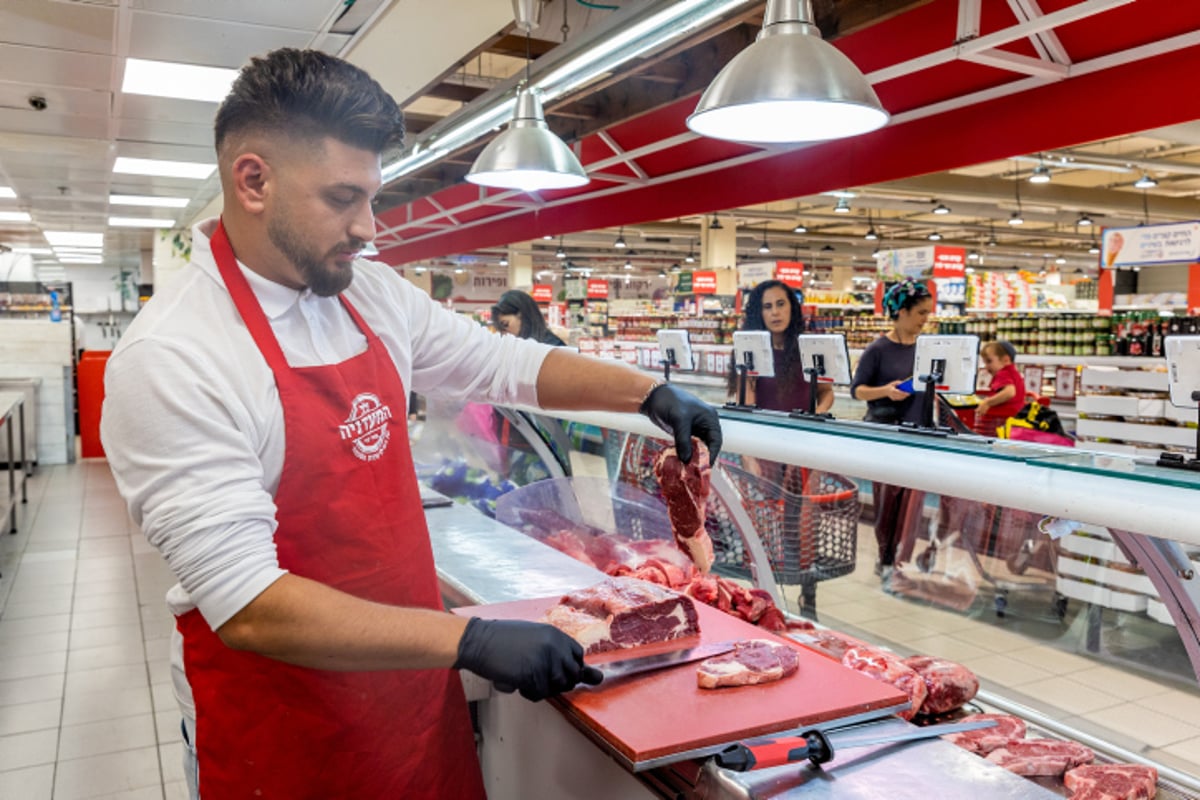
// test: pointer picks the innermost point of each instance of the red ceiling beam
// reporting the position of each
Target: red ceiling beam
(1145, 94)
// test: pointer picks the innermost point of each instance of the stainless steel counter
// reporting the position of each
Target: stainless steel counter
(530, 750)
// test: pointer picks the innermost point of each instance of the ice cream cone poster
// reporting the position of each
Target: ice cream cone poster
(1113, 242)
(1173, 243)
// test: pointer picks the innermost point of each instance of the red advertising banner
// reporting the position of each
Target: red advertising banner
(1105, 291)
(791, 273)
(597, 289)
(949, 262)
(543, 292)
(704, 282)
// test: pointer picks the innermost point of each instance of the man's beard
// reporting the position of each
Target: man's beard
(320, 279)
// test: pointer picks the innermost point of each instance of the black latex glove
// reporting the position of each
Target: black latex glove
(684, 415)
(538, 660)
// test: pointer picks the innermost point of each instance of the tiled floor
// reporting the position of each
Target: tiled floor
(86, 709)
(1160, 719)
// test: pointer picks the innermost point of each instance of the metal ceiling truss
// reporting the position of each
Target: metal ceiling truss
(1053, 65)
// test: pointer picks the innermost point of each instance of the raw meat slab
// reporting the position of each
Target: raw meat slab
(660, 714)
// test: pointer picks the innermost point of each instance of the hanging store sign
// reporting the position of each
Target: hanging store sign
(683, 284)
(751, 275)
(949, 262)
(543, 292)
(1173, 243)
(704, 282)
(597, 289)
(791, 273)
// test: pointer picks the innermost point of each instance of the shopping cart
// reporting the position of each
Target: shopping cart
(806, 520)
(971, 544)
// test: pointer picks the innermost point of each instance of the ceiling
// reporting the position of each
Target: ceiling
(1029, 78)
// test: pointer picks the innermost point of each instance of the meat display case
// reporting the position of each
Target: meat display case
(1117, 494)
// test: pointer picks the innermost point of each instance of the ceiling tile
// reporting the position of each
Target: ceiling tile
(140, 106)
(213, 43)
(83, 27)
(307, 15)
(43, 67)
(154, 130)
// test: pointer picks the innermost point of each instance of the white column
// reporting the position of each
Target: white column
(718, 247)
(520, 265)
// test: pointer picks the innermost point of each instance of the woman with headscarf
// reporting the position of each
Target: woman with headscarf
(885, 364)
(517, 313)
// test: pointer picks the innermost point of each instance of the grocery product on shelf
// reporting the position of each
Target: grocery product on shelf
(712, 329)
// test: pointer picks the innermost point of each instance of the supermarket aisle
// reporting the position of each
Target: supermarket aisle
(86, 709)
(1160, 719)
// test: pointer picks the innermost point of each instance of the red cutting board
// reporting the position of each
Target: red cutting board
(658, 714)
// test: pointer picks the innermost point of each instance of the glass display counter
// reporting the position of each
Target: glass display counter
(1064, 579)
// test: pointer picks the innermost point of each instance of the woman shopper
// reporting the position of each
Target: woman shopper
(773, 306)
(885, 364)
(518, 313)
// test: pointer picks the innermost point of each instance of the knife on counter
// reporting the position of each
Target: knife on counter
(624, 667)
(818, 746)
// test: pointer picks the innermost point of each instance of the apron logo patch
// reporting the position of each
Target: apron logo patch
(367, 426)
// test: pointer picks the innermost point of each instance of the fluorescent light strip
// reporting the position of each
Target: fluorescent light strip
(33, 251)
(80, 260)
(74, 239)
(7, 193)
(672, 23)
(15, 216)
(163, 169)
(140, 222)
(181, 81)
(144, 200)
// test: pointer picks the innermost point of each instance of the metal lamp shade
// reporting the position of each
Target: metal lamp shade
(527, 156)
(789, 86)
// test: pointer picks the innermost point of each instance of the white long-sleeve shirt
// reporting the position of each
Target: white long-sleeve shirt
(192, 424)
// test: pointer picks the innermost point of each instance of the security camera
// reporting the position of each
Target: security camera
(37, 102)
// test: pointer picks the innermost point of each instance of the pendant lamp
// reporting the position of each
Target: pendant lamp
(789, 86)
(527, 156)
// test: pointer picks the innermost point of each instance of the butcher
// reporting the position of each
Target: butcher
(255, 421)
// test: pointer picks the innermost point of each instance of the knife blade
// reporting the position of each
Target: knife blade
(818, 746)
(624, 667)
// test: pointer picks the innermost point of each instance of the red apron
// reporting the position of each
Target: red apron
(350, 516)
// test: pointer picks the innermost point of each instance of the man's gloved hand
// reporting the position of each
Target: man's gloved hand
(538, 660)
(684, 415)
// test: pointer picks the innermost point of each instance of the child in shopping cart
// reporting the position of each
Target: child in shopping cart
(1006, 395)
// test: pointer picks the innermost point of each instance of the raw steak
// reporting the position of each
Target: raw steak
(754, 661)
(1040, 757)
(1112, 782)
(948, 685)
(829, 643)
(623, 612)
(888, 668)
(984, 741)
(685, 489)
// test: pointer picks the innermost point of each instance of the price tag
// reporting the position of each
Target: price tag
(1064, 383)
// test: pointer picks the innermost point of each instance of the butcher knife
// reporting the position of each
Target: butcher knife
(818, 746)
(624, 667)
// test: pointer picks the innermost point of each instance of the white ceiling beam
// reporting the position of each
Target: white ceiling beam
(617, 151)
(1014, 62)
(968, 20)
(1046, 43)
(1088, 8)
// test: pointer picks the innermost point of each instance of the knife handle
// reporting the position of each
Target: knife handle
(763, 753)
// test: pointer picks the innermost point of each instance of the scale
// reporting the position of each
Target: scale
(752, 358)
(943, 364)
(825, 359)
(1183, 376)
(675, 345)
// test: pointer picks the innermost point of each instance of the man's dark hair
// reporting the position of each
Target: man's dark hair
(311, 95)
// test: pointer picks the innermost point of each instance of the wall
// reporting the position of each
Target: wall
(97, 300)
(42, 349)
(1167, 278)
